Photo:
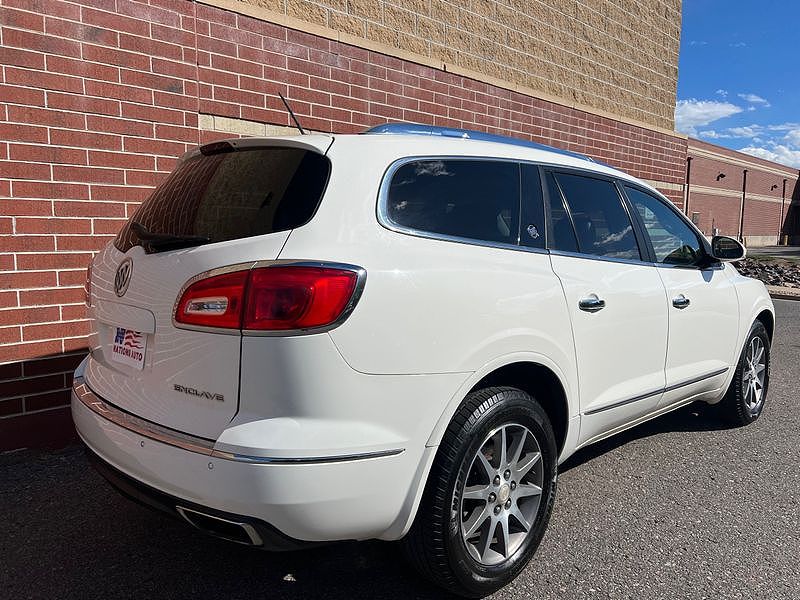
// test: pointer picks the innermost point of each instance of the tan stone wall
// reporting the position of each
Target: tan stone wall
(618, 56)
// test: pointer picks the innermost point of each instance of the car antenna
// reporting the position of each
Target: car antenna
(291, 112)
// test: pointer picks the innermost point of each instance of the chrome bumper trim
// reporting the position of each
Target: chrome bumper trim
(197, 444)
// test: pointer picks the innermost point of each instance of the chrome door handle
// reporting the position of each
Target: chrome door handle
(680, 301)
(591, 304)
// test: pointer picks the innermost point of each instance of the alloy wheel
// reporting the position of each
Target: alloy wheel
(753, 375)
(500, 496)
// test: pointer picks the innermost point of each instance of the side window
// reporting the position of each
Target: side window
(673, 240)
(601, 222)
(560, 234)
(532, 233)
(475, 199)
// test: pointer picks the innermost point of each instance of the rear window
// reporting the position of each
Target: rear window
(601, 222)
(227, 196)
(472, 199)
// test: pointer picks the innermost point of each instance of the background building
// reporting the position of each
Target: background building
(99, 97)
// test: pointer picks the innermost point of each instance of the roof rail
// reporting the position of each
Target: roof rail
(467, 134)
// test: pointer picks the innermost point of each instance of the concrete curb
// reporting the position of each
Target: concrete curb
(783, 293)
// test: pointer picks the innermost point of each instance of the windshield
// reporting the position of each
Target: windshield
(230, 195)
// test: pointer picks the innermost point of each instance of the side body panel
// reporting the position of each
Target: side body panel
(703, 335)
(620, 349)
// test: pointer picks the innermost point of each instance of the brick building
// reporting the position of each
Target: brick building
(99, 97)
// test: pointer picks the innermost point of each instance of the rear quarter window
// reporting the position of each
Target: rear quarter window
(232, 195)
(470, 199)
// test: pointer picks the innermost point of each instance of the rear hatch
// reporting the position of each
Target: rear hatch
(230, 203)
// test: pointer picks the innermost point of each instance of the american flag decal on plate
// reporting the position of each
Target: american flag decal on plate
(129, 347)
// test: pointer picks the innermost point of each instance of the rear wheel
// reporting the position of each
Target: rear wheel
(489, 494)
(745, 398)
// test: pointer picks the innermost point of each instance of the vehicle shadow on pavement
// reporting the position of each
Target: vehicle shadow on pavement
(66, 533)
(697, 416)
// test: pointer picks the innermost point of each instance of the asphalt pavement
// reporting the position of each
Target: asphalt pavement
(681, 507)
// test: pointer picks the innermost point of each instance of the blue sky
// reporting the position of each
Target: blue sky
(739, 76)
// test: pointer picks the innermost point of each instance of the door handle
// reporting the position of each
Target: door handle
(591, 304)
(680, 301)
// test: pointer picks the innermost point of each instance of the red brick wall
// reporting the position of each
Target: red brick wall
(98, 98)
(764, 190)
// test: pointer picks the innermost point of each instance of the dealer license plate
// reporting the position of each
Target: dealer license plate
(129, 347)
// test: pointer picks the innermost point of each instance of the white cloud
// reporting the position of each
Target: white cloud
(785, 149)
(754, 99)
(793, 137)
(691, 114)
(721, 92)
(698, 43)
(748, 131)
(745, 132)
(737, 45)
(778, 153)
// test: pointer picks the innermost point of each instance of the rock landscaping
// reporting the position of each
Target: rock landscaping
(772, 271)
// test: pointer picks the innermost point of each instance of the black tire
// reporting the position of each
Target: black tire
(434, 545)
(735, 407)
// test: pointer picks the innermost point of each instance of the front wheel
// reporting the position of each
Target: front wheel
(489, 494)
(745, 398)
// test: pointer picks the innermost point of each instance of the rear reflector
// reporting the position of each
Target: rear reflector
(269, 299)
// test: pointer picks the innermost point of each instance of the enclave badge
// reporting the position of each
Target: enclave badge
(198, 393)
(123, 277)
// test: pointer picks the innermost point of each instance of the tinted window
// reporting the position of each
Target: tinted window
(464, 198)
(560, 235)
(532, 232)
(230, 195)
(601, 222)
(673, 240)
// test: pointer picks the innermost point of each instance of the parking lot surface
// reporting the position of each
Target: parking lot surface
(681, 507)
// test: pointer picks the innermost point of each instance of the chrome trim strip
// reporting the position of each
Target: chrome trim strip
(313, 460)
(624, 402)
(664, 390)
(698, 379)
(200, 445)
(138, 425)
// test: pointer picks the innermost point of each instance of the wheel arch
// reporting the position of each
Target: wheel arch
(541, 383)
(534, 374)
(768, 320)
(523, 370)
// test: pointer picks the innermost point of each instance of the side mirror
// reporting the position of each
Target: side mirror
(727, 249)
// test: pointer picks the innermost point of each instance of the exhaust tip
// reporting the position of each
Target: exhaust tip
(233, 531)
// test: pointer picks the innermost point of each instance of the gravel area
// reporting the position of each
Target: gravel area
(680, 507)
(772, 271)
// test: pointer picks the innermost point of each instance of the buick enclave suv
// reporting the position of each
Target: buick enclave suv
(400, 335)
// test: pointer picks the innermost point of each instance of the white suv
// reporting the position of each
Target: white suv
(400, 334)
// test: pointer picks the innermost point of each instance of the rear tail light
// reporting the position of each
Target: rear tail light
(214, 302)
(279, 298)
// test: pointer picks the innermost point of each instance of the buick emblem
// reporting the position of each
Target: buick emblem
(123, 277)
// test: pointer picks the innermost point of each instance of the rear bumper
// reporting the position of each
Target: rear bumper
(237, 528)
(311, 500)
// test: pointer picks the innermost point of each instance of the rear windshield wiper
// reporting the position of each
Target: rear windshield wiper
(166, 241)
